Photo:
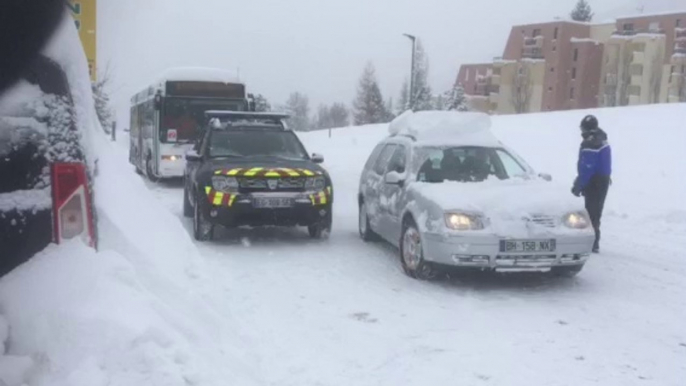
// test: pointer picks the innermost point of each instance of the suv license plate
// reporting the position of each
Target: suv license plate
(527, 246)
(272, 202)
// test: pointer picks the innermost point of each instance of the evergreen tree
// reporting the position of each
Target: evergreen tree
(455, 99)
(338, 113)
(262, 104)
(422, 98)
(404, 100)
(582, 12)
(369, 106)
(298, 107)
(323, 118)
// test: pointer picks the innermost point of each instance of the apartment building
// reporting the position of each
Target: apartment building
(643, 60)
(564, 65)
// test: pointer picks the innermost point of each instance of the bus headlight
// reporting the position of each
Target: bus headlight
(172, 158)
(315, 183)
(224, 184)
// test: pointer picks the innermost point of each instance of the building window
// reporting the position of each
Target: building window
(571, 93)
(552, 69)
(474, 88)
(654, 26)
(554, 48)
(550, 89)
(556, 32)
(466, 77)
(576, 54)
(537, 32)
(573, 72)
(628, 27)
(678, 22)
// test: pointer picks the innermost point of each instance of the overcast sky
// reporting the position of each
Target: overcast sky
(318, 47)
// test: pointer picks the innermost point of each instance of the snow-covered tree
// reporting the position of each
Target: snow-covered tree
(582, 12)
(298, 106)
(422, 98)
(103, 106)
(404, 99)
(455, 99)
(322, 120)
(338, 113)
(262, 104)
(368, 106)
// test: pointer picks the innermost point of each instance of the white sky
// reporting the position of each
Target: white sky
(318, 47)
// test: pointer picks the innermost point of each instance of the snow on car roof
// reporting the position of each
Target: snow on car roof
(198, 74)
(439, 128)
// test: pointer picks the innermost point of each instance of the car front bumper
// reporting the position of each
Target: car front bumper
(484, 252)
(242, 212)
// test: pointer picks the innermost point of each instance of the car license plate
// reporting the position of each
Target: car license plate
(272, 202)
(527, 246)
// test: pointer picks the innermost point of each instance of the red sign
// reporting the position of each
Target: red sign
(72, 214)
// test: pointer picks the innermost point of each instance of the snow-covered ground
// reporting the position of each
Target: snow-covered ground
(341, 312)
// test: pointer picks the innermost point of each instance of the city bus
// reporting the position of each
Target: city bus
(166, 117)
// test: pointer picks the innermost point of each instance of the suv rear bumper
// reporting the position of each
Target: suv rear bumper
(484, 253)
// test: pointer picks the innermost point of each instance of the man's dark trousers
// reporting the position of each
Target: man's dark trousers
(595, 194)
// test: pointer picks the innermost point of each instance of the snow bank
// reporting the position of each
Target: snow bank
(25, 200)
(445, 127)
(136, 311)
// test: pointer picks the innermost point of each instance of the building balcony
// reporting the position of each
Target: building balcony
(532, 53)
(494, 98)
(634, 32)
(639, 58)
(680, 48)
(637, 80)
(680, 34)
(533, 42)
(495, 80)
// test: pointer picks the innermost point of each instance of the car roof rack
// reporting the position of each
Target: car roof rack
(220, 119)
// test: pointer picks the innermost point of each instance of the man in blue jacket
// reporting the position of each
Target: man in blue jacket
(595, 169)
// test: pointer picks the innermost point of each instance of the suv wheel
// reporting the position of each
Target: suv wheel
(187, 208)
(412, 254)
(321, 229)
(203, 230)
(366, 232)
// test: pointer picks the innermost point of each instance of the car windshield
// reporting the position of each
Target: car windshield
(254, 143)
(465, 164)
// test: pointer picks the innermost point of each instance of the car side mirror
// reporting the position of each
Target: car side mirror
(192, 156)
(546, 176)
(317, 158)
(394, 178)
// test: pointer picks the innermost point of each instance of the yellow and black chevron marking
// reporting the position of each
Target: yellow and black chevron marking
(218, 198)
(267, 172)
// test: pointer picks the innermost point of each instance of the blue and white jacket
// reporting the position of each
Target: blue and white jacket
(595, 158)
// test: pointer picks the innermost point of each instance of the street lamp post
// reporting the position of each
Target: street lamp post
(414, 51)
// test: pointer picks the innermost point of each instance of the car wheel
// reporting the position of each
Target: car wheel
(148, 170)
(321, 229)
(567, 271)
(203, 230)
(412, 254)
(187, 208)
(366, 232)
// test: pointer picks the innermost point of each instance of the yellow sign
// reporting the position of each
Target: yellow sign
(84, 13)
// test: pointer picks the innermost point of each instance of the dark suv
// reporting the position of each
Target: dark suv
(249, 169)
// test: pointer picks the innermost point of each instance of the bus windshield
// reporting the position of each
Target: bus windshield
(182, 118)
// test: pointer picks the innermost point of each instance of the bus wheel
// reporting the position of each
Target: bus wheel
(148, 170)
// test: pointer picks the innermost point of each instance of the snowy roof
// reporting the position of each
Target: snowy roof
(199, 74)
(437, 128)
(644, 15)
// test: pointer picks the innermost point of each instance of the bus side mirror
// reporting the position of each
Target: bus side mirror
(192, 156)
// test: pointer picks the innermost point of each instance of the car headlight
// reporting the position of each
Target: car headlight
(576, 220)
(224, 184)
(315, 183)
(464, 221)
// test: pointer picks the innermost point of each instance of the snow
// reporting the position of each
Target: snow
(654, 14)
(584, 40)
(199, 74)
(14, 102)
(503, 203)
(444, 127)
(25, 200)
